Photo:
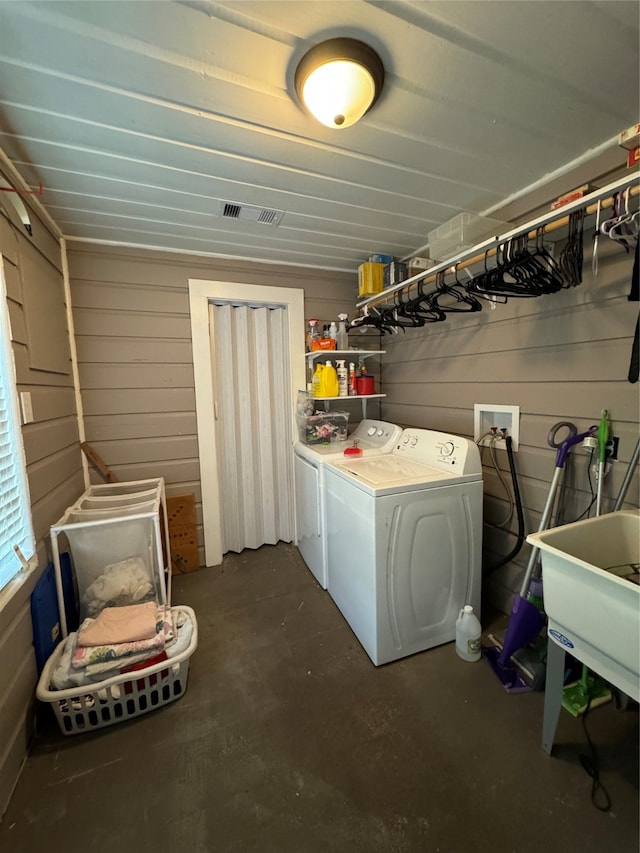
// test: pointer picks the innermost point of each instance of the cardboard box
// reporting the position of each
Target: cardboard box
(394, 273)
(417, 265)
(630, 138)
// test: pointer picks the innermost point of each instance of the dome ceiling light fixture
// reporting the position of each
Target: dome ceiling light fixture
(339, 80)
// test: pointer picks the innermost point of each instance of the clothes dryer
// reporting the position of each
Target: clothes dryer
(404, 537)
(373, 438)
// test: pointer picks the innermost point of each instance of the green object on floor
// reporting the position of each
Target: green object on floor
(589, 692)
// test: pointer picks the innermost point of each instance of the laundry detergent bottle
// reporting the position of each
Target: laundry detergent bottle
(316, 381)
(468, 631)
(329, 386)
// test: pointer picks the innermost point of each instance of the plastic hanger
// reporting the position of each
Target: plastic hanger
(457, 292)
(424, 308)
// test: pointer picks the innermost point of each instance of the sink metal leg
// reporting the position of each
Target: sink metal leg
(552, 693)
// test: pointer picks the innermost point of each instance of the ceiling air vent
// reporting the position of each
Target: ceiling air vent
(249, 213)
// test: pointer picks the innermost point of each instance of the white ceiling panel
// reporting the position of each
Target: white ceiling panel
(139, 118)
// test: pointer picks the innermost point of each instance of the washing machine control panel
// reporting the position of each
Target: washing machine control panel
(376, 435)
(441, 450)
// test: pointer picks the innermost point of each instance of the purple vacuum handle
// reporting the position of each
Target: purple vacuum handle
(574, 437)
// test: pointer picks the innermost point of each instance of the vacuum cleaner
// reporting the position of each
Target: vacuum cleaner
(526, 619)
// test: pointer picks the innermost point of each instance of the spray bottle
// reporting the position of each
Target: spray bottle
(342, 339)
(312, 333)
(333, 331)
(343, 380)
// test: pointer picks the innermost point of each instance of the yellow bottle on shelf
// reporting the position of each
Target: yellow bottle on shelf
(316, 381)
(329, 386)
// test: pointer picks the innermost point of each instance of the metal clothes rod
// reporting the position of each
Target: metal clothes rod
(552, 221)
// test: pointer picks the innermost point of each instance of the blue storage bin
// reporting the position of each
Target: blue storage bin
(45, 614)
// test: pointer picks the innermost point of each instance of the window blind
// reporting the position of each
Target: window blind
(15, 514)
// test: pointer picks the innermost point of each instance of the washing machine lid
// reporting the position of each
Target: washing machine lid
(391, 473)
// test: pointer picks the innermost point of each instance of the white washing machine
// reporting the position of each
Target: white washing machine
(374, 438)
(404, 542)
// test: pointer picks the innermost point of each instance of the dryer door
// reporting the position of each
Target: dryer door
(309, 518)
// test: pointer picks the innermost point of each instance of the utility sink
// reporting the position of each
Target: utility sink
(590, 572)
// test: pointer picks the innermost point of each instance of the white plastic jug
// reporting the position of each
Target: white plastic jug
(468, 631)
(343, 380)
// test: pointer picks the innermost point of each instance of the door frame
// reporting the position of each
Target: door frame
(201, 293)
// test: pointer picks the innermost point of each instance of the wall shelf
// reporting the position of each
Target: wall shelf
(345, 355)
(342, 354)
(363, 397)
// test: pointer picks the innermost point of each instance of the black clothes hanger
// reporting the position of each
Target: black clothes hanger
(383, 320)
(481, 285)
(520, 271)
(422, 306)
(373, 318)
(401, 314)
(536, 270)
(450, 298)
(571, 257)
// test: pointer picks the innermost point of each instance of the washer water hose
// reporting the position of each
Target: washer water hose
(518, 501)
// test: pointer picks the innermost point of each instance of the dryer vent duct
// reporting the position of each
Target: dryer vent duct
(250, 213)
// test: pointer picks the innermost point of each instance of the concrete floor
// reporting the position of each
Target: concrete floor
(289, 740)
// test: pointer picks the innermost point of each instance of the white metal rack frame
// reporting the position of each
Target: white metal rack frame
(112, 522)
(552, 220)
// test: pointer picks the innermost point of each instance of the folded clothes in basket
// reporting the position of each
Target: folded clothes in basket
(120, 625)
(116, 653)
(65, 676)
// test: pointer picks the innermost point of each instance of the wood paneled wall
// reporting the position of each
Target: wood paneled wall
(133, 339)
(563, 356)
(35, 295)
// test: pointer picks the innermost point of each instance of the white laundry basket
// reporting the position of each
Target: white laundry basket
(122, 697)
(110, 527)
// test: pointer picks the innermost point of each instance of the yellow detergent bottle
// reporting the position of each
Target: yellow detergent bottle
(316, 381)
(329, 381)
